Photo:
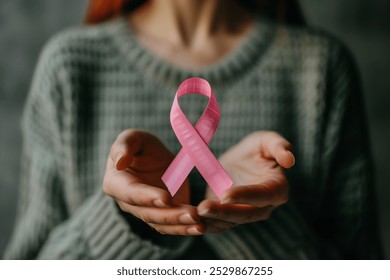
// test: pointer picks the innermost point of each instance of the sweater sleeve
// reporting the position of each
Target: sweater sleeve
(44, 228)
(40, 206)
(348, 216)
(286, 235)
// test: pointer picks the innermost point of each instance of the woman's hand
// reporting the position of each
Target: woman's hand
(259, 184)
(135, 165)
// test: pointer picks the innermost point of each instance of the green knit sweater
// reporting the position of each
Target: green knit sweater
(93, 82)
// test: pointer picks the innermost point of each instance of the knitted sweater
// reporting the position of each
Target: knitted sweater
(93, 82)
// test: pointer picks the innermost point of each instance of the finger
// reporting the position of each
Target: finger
(127, 144)
(179, 229)
(233, 213)
(122, 186)
(271, 192)
(274, 146)
(179, 215)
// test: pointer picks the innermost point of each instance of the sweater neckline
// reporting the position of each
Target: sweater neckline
(232, 67)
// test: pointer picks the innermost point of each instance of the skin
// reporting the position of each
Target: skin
(259, 184)
(191, 34)
(138, 160)
(197, 34)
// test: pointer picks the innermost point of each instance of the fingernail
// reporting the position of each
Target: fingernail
(292, 155)
(227, 200)
(187, 219)
(204, 212)
(159, 203)
(118, 157)
(193, 231)
(208, 213)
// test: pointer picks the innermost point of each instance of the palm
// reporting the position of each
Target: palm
(134, 169)
(150, 163)
(252, 170)
(247, 166)
(259, 183)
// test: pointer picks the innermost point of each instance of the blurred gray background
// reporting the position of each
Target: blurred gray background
(26, 25)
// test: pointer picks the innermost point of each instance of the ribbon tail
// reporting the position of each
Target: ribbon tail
(177, 172)
(215, 176)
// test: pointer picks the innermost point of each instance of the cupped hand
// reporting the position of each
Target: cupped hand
(133, 173)
(256, 165)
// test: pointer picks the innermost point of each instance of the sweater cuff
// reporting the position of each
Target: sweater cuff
(284, 236)
(108, 236)
(98, 231)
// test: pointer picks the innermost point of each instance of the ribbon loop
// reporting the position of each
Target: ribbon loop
(194, 140)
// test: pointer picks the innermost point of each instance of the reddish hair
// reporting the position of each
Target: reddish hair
(288, 11)
(103, 10)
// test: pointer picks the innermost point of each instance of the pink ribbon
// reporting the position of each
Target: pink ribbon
(194, 141)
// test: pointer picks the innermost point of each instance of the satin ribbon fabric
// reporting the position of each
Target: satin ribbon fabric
(194, 141)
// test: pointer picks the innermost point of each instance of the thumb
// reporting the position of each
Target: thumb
(274, 146)
(128, 143)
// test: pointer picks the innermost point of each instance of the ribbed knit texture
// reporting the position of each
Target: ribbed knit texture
(93, 82)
